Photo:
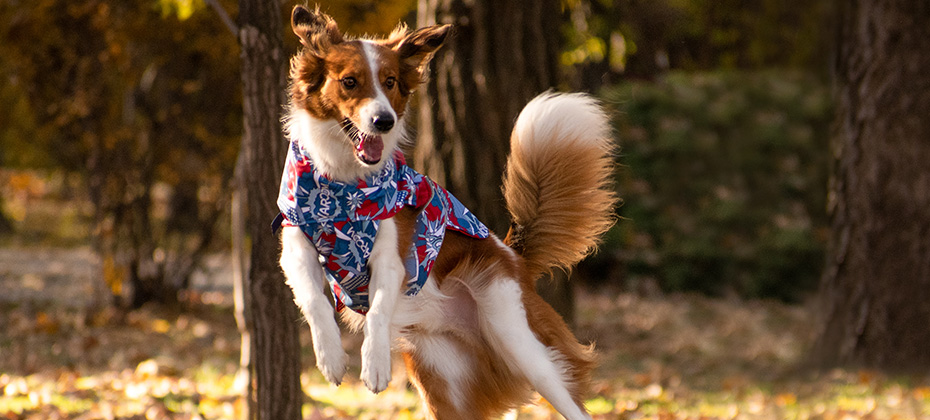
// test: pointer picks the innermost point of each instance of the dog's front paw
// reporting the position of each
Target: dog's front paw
(332, 363)
(376, 366)
(333, 372)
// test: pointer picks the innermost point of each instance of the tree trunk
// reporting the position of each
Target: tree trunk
(501, 54)
(497, 59)
(240, 267)
(557, 290)
(6, 226)
(877, 280)
(275, 345)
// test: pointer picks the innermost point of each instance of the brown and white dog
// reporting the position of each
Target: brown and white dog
(477, 339)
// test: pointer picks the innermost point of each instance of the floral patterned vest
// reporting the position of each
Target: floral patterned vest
(341, 220)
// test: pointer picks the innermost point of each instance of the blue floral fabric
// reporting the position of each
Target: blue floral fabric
(341, 220)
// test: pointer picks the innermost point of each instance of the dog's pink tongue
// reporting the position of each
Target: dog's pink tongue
(370, 148)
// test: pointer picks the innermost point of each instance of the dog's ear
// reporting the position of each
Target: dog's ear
(317, 31)
(417, 48)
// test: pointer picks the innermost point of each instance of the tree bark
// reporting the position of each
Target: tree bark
(240, 267)
(877, 280)
(497, 59)
(501, 54)
(6, 226)
(275, 345)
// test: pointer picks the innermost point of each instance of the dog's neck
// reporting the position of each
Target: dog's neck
(332, 153)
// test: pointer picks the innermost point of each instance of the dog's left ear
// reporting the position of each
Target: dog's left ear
(417, 48)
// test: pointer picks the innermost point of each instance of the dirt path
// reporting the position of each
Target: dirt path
(60, 276)
(72, 277)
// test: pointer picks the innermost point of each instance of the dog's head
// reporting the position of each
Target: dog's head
(360, 85)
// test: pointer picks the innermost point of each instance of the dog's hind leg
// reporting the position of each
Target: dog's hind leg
(301, 265)
(387, 276)
(504, 318)
(442, 372)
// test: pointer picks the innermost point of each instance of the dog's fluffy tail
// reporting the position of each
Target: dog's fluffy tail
(558, 180)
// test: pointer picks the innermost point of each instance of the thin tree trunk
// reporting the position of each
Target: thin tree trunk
(6, 226)
(557, 290)
(240, 256)
(275, 346)
(240, 266)
(877, 280)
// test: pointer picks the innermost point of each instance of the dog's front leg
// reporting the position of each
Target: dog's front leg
(301, 265)
(387, 274)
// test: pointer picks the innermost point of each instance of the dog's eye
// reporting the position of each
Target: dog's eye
(389, 82)
(349, 83)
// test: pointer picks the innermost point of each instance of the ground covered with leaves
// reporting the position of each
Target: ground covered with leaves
(662, 357)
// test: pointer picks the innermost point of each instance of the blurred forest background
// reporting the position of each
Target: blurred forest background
(121, 121)
(120, 134)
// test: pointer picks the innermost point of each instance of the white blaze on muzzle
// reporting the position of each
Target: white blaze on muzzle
(376, 117)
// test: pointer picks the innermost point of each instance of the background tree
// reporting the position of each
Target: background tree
(877, 280)
(137, 109)
(6, 227)
(275, 345)
(501, 55)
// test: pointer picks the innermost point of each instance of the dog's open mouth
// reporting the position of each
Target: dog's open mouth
(368, 147)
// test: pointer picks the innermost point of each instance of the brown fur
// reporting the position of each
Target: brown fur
(466, 265)
(560, 200)
(492, 391)
(494, 387)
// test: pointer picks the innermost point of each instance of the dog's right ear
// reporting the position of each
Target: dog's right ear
(317, 31)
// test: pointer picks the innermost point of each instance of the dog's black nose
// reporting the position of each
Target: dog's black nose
(383, 122)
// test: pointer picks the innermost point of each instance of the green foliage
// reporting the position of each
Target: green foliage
(104, 76)
(724, 181)
(606, 38)
(183, 9)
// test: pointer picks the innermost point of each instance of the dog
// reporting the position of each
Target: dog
(432, 282)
